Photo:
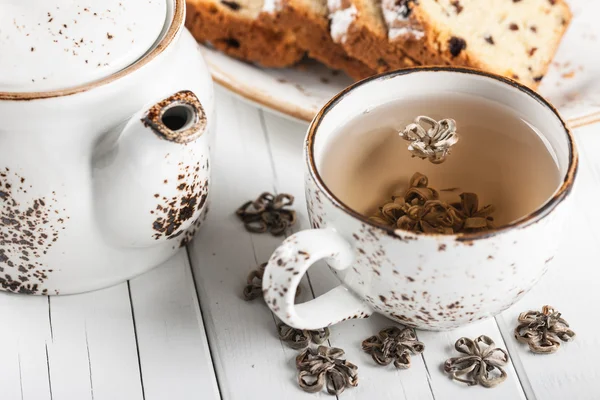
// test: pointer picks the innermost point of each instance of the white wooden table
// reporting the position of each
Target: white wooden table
(183, 331)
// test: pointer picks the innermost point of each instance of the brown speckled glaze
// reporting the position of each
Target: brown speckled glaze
(27, 233)
(189, 233)
(424, 281)
(191, 194)
(427, 281)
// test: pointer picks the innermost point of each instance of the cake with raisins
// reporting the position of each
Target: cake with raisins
(233, 27)
(309, 21)
(359, 26)
(513, 38)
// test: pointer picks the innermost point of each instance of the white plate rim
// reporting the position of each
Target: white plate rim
(294, 112)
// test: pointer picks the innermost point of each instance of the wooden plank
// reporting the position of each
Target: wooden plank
(441, 347)
(249, 358)
(86, 344)
(25, 332)
(425, 376)
(92, 351)
(174, 355)
(571, 286)
(286, 142)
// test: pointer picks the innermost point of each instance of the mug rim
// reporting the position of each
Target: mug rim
(538, 214)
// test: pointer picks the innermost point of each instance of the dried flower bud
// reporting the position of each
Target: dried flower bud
(253, 288)
(420, 210)
(323, 368)
(268, 213)
(543, 331)
(299, 339)
(482, 363)
(393, 344)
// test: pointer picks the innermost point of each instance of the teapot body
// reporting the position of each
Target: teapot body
(87, 199)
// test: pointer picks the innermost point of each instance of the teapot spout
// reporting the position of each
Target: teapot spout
(151, 177)
(179, 118)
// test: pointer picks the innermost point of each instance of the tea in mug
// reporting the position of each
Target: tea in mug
(500, 158)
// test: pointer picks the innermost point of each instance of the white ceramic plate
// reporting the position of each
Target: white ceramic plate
(572, 84)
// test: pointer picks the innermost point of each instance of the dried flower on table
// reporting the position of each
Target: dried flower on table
(324, 368)
(299, 339)
(543, 331)
(482, 363)
(421, 210)
(253, 289)
(393, 344)
(268, 213)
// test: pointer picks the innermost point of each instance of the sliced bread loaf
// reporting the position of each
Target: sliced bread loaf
(517, 38)
(309, 21)
(513, 38)
(232, 26)
(359, 26)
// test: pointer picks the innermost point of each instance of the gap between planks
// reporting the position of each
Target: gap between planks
(247, 359)
(101, 345)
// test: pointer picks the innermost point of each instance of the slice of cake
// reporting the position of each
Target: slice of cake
(232, 26)
(406, 34)
(514, 38)
(359, 26)
(517, 38)
(309, 21)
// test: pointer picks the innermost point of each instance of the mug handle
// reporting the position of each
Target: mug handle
(290, 262)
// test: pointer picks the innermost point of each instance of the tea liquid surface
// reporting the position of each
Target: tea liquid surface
(499, 156)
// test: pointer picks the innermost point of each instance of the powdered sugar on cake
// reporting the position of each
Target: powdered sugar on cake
(271, 6)
(404, 32)
(341, 17)
(396, 15)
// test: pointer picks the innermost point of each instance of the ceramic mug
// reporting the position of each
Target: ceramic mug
(427, 281)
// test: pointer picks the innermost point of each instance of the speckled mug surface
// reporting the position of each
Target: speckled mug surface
(427, 281)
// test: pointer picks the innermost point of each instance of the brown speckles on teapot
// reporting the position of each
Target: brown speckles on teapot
(95, 134)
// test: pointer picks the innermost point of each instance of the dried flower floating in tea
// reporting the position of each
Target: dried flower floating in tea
(393, 344)
(475, 219)
(433, 143)
(253, 289)
(324, 368)
(299, 339)
(268, 213)
(543, 331)
(420, 210)
(482, 363)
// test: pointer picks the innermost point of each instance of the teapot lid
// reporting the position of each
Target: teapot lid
(65, 43)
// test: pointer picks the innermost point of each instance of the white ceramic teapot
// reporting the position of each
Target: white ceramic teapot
(106, 110)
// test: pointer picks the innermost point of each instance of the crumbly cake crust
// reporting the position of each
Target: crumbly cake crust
(516, 39)
(236, 31)
(308, 20)
(363, 34)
